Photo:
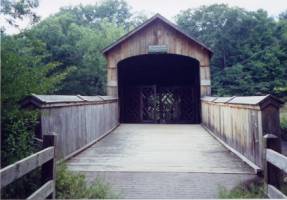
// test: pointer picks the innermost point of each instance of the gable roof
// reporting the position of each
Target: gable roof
(146, 23)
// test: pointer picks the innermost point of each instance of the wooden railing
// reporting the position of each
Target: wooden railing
(80, 120)
(275, 162)
(44, 159)
(240, 123)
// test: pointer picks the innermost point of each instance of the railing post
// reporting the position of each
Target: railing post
(49, 168)
(271, 173)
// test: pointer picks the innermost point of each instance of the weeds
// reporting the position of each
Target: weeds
(72, 185)
(250, 191)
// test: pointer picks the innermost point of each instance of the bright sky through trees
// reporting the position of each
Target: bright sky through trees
(168, 8)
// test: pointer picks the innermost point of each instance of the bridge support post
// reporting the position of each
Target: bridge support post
(272, 174)
(48, 171)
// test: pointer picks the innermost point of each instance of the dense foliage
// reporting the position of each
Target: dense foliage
(250, 51)
(76, 36)
(23, 72)
(80, 46)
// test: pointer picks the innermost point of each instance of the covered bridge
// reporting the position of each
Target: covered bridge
(159, 74)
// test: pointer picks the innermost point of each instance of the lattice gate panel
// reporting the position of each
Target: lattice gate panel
(187, 104)
(154, 104)
(167, 105)
(148, 103)
(132, 105)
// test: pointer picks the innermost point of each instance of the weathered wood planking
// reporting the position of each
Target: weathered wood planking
(277, 159)
(44, 191)
(24, 166)
(242, 125)
(157, 32)
(274, 193)
(156, 147)
(44, 159)
(48, 169)
(274, 163)
(78, 125)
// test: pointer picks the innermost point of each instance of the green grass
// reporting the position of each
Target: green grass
(251, 191)
(72, 185)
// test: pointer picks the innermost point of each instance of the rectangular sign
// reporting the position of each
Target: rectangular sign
(157, 49)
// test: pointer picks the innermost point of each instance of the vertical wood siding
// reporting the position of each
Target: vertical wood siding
(78, 125)
(157, 33)
(241, 126)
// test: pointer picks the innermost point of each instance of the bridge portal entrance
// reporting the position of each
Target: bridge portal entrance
(160, 88)
(160, 104)
(158, 73)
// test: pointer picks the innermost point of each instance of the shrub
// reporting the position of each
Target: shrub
(24, 70)
(17, 135)
(72, 185)
(250, 191)
(283, 124)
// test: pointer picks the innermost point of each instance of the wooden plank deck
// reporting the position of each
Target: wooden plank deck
(176, 153)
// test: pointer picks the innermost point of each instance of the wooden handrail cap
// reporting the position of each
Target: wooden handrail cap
(267, 136)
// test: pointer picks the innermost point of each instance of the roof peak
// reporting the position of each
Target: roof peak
(147, 22)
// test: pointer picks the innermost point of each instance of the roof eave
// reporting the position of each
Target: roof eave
(271, 99)
(157, 16)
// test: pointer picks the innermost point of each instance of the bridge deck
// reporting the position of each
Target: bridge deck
(148, 161)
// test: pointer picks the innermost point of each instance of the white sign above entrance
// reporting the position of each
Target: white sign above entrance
(157, 49)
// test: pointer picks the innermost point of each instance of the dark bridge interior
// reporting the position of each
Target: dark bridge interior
(159, 88)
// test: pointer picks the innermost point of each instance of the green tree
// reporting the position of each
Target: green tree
(22, 73)
(115, 11)
(90, 76)
(281, 34)
(240, 39)
(75, 44)
(18, 10)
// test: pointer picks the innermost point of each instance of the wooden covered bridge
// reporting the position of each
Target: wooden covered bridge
(159, 133)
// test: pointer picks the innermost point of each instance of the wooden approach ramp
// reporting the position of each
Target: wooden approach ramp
(162, 161)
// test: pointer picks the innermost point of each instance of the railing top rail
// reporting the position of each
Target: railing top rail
(45, 101)
(44, 191)
(26, 165)
(277, 159)
(244, 100)
(274, 193)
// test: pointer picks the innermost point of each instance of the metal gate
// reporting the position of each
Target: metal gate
(161, 104)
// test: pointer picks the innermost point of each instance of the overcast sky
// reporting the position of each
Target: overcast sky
(168, 8)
